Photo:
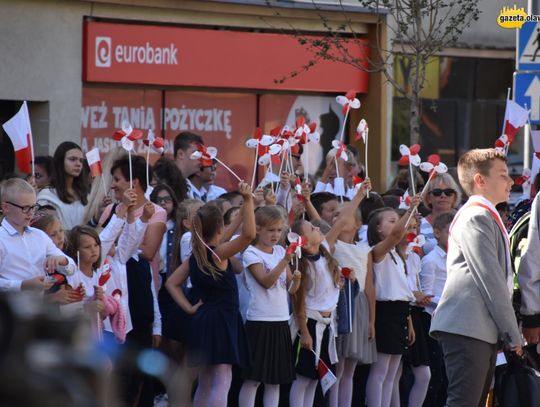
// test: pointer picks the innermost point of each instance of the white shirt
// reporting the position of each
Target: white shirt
(22, 256)
(71, 214)
(354, 257)
(391, 283)
(433, 276)
(362, 234)
(427, 230)
(321, 292)
(266, 304)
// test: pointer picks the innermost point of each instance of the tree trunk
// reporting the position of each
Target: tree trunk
(414, 120)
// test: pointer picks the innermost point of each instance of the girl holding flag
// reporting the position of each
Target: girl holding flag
(315, 303)
(267, 276)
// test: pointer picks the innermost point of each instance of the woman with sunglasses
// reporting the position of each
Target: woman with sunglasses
(70, 185)
(443, 195)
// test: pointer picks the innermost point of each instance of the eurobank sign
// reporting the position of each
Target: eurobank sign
(178, 56)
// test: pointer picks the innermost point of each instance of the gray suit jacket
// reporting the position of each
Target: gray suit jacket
(476, 301)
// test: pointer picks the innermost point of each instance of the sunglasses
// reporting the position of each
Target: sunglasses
(446, 192)
(163, 200)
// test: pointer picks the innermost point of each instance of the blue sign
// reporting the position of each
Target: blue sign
(529, 47)
(527, 93)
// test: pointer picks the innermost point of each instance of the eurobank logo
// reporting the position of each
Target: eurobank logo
(103, 52)
(139, 54)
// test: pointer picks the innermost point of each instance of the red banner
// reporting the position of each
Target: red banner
(163, 55)
(224, 120)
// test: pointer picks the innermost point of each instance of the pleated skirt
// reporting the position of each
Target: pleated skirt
(356, 344)
(271, 352)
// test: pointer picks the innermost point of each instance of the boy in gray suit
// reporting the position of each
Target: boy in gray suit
(475, 310)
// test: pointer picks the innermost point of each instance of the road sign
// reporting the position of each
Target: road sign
(527, 93)
(529, 47)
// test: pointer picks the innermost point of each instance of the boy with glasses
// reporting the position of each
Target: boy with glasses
(202, 184)
(27, 254)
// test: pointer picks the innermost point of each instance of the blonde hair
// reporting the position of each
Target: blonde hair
(442, 179)
(205, 223)
(477, 161)
(13, 187)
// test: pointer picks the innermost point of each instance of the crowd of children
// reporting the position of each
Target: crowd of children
(322, 299)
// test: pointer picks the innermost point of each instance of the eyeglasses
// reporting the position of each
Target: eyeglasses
(212, 167)
(446, 192)
(25, 209)
(163, 200)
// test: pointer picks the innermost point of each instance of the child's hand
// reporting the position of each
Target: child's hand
(297, 276)
(415, 201)
(258, 198)
(371, 331)
(36, 284)
(412, 335)
(306, 341)
(64, 296)
(284, 181)
(422, 299)
(106, 201)
(245, 191)
(270, 198)
(52, 262)
(148, 211)
(195, 307)
(98, 293)
(306, 191)
(366, 185)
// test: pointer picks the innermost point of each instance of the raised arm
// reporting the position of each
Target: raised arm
(396, 235)
(248, 232)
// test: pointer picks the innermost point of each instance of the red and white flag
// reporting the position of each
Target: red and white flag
(94, 161)
(19, 131)
(515, 118)
(326, 377)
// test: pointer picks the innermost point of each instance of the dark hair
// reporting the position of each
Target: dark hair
(442, 220)
(219, 202)
(164, 187)
(138, 166)
(228, 215)
(81, 184)
(205, 224)
(46, 161)
(373, 224)
(370, 204)
(183, 141)
(318, 199)
(168, 173)
(229, 196)
(391, 201)
(74, 241)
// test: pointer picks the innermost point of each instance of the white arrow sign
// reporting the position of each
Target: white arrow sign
(533, 92)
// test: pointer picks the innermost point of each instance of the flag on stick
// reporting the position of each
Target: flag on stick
(20, 133)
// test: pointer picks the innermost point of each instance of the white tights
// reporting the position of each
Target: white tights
(249, 392)
(302, 392)
(419, 390)
(341, 391)
(381, 380)
(213, 387)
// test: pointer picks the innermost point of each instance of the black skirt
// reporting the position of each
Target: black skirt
(305, 358)
(271, 352)
(391, 329)
(418, 354)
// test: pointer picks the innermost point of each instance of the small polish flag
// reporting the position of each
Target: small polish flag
(326, 377)
(515, 118)
(20, 133)
(94, 161)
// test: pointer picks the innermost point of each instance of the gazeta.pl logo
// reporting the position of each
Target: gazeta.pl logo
(513, 17)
